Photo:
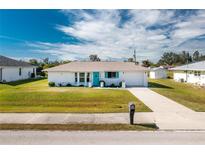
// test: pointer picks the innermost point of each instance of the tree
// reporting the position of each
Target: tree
(184, 58)
(147, 63)
(94, 58)
(130, 59)
(169, 58)
(46, 60)
(33, 62)
(196, 56)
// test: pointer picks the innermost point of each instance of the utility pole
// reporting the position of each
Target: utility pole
(135, 57)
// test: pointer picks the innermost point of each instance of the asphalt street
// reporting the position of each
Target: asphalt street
(101, 137)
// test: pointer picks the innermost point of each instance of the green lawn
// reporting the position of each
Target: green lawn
(83, 127)
(36, 96)
(188, 95)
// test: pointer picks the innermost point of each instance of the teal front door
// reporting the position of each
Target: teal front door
(96, 79)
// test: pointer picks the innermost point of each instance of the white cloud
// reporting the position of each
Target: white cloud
(105, 37)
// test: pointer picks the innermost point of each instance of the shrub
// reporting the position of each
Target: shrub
(81, 85)
(181, 80)
(112, 85)
(51, 84)
(32, 75)
(68, 85)
(120, 84)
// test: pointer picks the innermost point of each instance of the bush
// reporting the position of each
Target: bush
(51, 84)
(81, 85)
(68, 85)
(112, 85)
(120, 84)
(32, 75)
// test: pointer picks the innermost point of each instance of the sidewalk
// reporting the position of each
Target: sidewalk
(73, 118)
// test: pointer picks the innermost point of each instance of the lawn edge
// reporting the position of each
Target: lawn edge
(78, 127)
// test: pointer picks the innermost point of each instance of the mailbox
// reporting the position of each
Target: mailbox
(132, 112)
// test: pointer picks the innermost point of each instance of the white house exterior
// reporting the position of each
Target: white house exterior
(191, 73)
(85, 73)
(158, 73)
(13, 70)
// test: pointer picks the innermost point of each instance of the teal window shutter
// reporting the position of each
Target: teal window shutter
(106, 74)
(117, 74)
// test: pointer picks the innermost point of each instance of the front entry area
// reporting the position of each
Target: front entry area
(96, 79)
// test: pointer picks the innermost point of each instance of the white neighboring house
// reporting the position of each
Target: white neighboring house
(191, 73)
(158, 73)
(91, 73)
(13, 70)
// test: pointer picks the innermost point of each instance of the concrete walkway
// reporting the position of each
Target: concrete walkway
(169, 114)
(71, 118)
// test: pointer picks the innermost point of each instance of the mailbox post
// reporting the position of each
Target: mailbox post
(132, 112)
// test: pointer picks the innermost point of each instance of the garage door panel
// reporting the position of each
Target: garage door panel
(134, 78)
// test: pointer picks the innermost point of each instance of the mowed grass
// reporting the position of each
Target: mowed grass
(36, 96)
(186, 94)
(82, 127)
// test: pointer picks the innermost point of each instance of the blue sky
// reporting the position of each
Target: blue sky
(112, 34)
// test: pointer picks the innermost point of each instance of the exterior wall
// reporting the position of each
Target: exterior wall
(180, 76)
(130, 78)
(12, 73)
(190, 77)
(152, 74)
(158, 74)
(62, 77)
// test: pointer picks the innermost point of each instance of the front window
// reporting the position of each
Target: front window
(82, 77)
(76, 77)
(197, 73)
(88, 77)
(19, 71)
(111, 74)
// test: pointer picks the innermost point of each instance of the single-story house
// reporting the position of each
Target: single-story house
(13, 70)
(92, 73)
(158, 73)
(191, 73)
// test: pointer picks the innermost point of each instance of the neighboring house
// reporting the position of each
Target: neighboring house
(12, 70)
(82, 73)
(158, 73)
(191, 73)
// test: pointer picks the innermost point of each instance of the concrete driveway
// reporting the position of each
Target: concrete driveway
(169, 114)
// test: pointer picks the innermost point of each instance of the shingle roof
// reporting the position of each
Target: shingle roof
(5, 61)
(198, 66)
(96, 66)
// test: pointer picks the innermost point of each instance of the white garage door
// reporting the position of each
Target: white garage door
(134, 78)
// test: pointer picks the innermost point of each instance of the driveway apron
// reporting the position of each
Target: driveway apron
(169, 114)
